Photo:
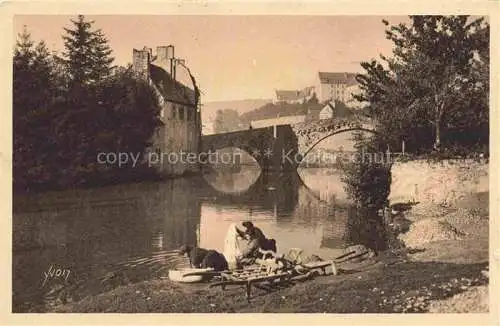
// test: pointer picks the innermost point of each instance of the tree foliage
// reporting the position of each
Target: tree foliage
(272, 110)
(70, 107)
(367, 181)
(87, 53)
(130, 114)
(33, 97)
(227, 120)
(434, 89)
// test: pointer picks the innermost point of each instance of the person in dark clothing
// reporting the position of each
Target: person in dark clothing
(269, 244)
(203, 258)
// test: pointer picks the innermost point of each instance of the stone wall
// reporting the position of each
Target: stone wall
(180, 134)
(445, 182)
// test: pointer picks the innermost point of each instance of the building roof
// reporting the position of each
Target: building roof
(329, 106)
(287, 95)
(337, 78)
(290, 95)
(170, 89)
(314, 110)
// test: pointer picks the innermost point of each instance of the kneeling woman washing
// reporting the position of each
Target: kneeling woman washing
(242, 247)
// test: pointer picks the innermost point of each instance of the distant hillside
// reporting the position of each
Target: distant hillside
(270, 110)
(209, 109)
(311, 109)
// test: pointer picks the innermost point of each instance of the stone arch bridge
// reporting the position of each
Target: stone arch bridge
(283, 147)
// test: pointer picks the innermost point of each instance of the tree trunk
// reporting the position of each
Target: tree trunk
(437, 142)
(437, 125)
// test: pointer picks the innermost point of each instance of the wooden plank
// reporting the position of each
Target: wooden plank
(317, 264)
(269, 277)
(226, 282)
(352, 257)
(344, 255)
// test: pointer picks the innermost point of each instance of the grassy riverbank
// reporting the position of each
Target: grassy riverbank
(424, 280)
(409, 286)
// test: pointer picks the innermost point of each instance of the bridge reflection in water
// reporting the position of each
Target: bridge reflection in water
(270, 202)
(131, 230)
(276, 193)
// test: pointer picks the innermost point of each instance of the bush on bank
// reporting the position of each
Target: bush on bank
(368, 184)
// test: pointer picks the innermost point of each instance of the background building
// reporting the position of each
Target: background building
(336, 86)
(328, 111)
(294, 96)
(180, 109)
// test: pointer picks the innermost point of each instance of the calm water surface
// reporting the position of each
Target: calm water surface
(111, 236)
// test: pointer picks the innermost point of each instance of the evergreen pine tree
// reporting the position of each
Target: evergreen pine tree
(87, 53)
(102, 57)
(33, 98)
(23, 57)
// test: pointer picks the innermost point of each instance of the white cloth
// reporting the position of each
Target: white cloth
(232, 251)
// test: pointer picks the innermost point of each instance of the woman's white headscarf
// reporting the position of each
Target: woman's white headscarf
(232, 250)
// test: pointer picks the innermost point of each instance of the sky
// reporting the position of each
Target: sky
(238, 57)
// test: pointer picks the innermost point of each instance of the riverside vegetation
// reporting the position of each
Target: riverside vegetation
(69, 106)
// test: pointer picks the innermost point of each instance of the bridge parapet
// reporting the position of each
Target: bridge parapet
(275, 147)
(310, 133)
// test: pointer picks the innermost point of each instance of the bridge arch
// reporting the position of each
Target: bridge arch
(303, 156)
(232, 181)
(266, 145)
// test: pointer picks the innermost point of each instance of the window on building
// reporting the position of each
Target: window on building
(189, 114)
(181, 113)
(174, 112)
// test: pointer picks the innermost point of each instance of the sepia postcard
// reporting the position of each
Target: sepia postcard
(254, 163)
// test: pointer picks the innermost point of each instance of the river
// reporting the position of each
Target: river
(93, 240)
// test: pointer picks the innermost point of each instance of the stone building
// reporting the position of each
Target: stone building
(180, 135)
(328, 111)
(337, 86)
(293, 96)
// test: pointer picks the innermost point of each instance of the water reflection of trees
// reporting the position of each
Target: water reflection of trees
(91, 230)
